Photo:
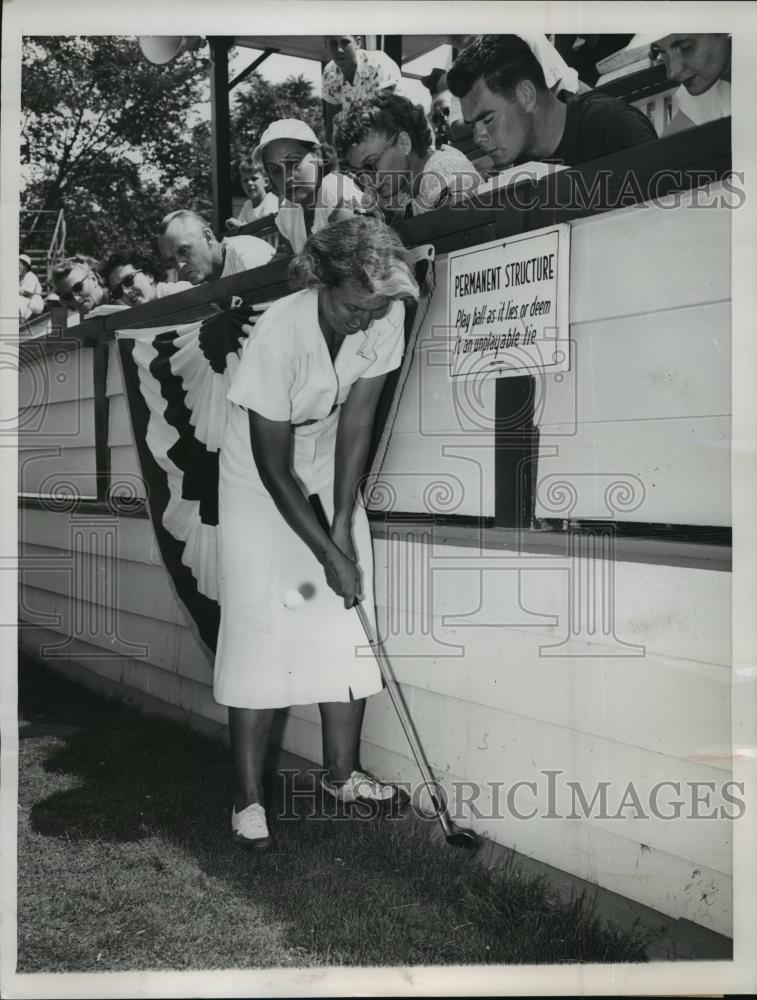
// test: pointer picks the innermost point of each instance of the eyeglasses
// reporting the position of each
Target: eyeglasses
(370, 170)
(126, 282)
(74, 290)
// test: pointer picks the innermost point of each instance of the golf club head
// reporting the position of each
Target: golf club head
(465, 839)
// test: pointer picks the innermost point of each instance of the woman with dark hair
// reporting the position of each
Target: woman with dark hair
(77, 282)
(303, 172)
(306, 390)
(135, 278)
(388, 146)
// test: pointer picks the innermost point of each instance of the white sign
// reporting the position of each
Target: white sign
(508, 304)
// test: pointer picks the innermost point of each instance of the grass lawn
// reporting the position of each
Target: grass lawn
(125, 862)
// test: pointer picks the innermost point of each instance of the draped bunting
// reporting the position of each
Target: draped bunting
(176, 380)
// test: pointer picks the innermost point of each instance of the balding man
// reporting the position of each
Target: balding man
(187, 242)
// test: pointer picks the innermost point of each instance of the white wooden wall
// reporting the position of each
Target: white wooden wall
(125, 476)
(440, 457)
(648, 397)
(56, 439)
(110, 606)
(646, 403)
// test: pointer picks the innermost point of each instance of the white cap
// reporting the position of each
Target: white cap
(27, 260)
(284, 128)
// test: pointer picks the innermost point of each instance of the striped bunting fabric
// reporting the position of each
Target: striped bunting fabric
(176, 380)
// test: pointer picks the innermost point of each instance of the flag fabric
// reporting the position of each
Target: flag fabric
(176, 382)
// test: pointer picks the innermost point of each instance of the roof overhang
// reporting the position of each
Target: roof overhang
(312, 47)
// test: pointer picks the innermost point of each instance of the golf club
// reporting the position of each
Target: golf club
(453, 834)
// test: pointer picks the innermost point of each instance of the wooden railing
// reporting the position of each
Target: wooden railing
(679, 162)
(683, 161)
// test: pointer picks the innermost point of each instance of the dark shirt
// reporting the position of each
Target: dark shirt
(597, 125)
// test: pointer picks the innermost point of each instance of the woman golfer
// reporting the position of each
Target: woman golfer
(306, 391)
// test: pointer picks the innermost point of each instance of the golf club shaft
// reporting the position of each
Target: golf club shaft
(395, 694)
(404, 717)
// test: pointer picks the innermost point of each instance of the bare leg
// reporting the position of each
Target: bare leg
(341, 721)
(250, 730)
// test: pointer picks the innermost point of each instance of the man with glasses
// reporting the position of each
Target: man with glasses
(516, 118)
(187, 242)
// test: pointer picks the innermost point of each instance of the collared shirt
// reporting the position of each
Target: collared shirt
(244, 253)
(707, 107)
(375, 71)
(286, 372)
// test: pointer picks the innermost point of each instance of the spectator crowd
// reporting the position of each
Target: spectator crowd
(382, 155)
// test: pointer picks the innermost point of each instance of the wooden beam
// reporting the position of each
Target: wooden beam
(251, 68)
(220, 128)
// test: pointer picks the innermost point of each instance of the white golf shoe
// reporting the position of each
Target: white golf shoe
(250, 828)
(363, 787)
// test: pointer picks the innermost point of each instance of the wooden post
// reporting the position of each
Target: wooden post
(220, 129)
(393, 48)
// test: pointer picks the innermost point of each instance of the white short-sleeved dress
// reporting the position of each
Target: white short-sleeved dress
(271, 654)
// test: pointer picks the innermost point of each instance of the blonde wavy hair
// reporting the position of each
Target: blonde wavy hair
(359, 249)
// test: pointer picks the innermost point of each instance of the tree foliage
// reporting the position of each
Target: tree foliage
(118, 142)
(112, 139)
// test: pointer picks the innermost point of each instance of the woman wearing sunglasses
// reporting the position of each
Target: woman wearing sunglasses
(387, 145)
(77, 282)
(134, 278)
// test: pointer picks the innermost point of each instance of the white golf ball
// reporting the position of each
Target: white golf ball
(293, 599)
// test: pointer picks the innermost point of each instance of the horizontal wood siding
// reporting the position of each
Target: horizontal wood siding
(647, 398)
(56, 428)
(630, 866)
(647, 401)
(125, 473)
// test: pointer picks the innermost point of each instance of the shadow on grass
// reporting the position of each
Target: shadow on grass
(346, 891)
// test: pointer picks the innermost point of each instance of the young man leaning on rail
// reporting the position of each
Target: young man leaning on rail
(516, 118)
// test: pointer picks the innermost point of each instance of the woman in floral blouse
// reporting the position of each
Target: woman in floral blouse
(354, 73)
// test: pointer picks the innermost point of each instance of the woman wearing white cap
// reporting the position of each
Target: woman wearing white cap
(312, 193)
(306, 391)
